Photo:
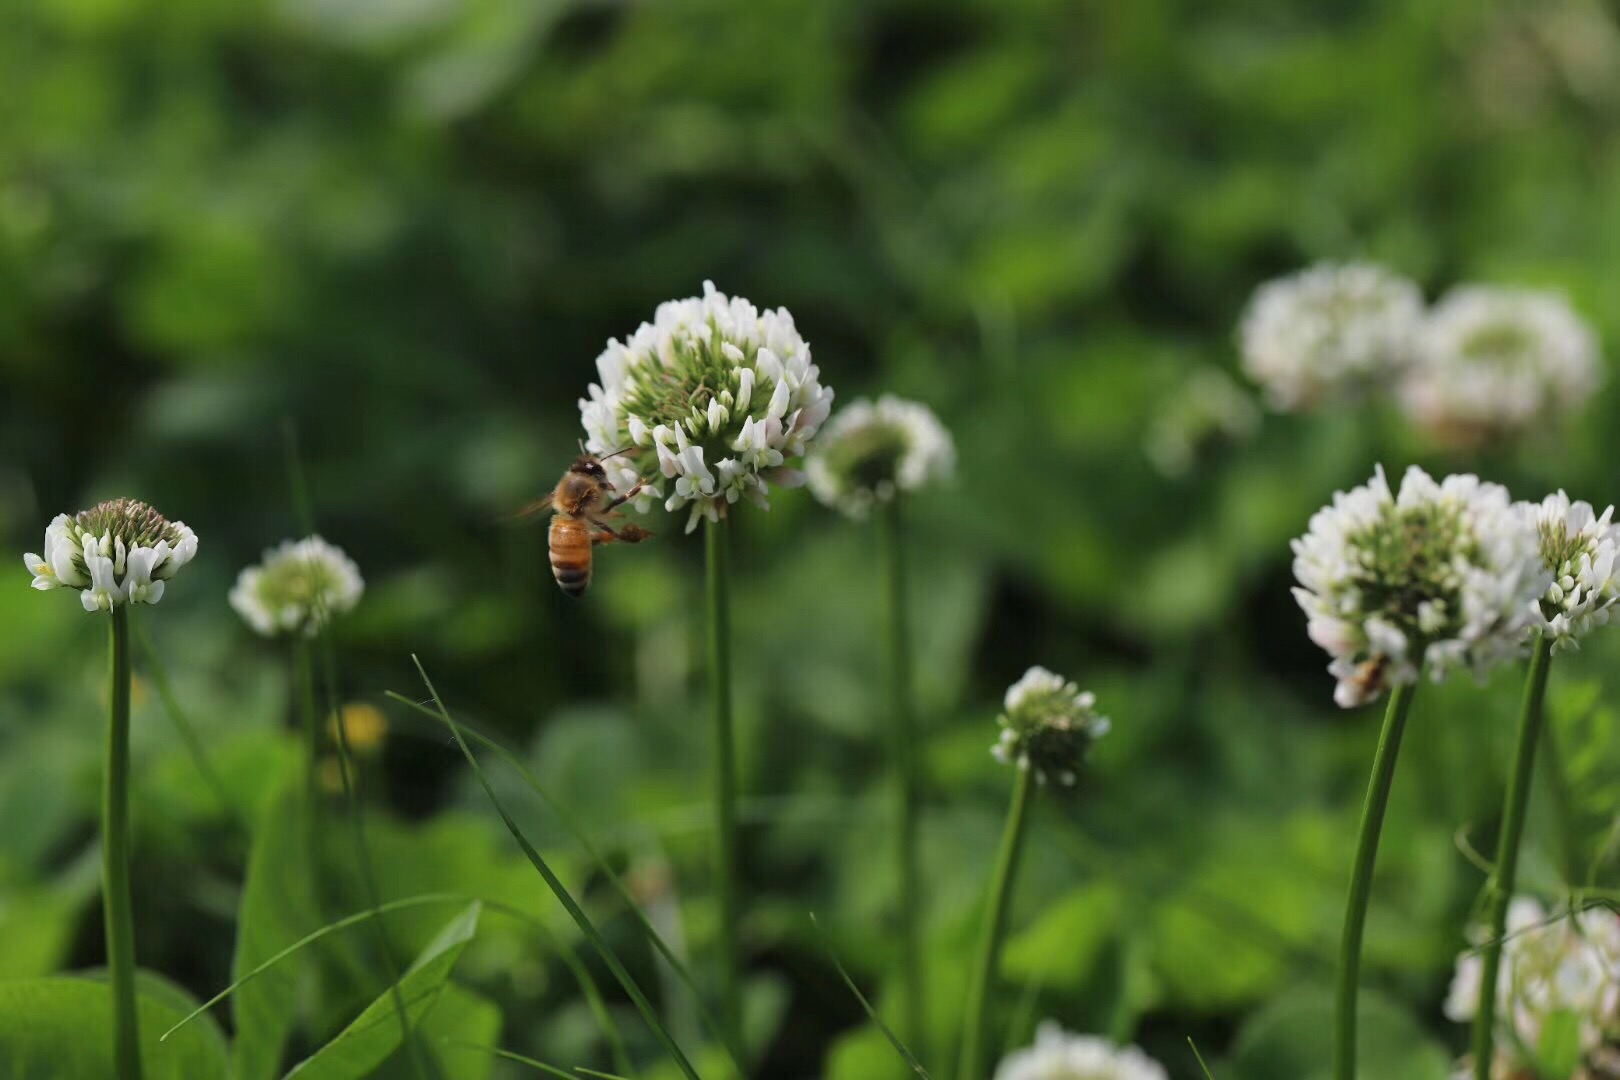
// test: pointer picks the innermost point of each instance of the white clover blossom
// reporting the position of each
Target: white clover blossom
(1058, 1055)
(1047, 725)
(869, 451)
(1441, 577)
(1552, 968)
(1328, 332)
(117, 552)
(298, 586)
(1579, 549)
(1493, 362)
(1208, 410)
(718, 395)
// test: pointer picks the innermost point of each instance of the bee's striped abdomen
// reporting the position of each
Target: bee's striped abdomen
(570, 544)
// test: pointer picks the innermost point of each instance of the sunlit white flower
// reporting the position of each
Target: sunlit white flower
(1564, 967)
(1330, 332)
(1493, 362)
(1058, 1055)
(1579, 549)
(1047, 725)
(712, 398)
(868, 451)
(1208, 410)
(297, 587)
(117, 552)
(1441, 577)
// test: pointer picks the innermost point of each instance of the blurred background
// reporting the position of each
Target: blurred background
(406, 228)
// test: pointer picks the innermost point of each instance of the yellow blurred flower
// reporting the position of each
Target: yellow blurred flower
(330, 773)
(365, 725)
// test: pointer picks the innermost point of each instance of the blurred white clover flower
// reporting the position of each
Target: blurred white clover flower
(1047, 725)
(1579, 549)
(1564, 969)
(718, 394)
(297, 587)
(1492, 362)
(1058, 1055)
(117, 552)
(869, 451)
(1442, 576)
(1328, 333)
(1208, 410)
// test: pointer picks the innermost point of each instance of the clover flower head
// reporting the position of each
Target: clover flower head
(1207, 411)
(297, 587)
(117, 552)
(717, 396)
(1329, 332)
(1058, 1055)
(1494, 362)
(1553, 969)
(871, 450)
(1047, 725)
(1441, 576)
(1579, 549)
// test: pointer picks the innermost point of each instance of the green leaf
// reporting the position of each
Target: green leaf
(278, 908)
(1291, 1040)
(375, 1033)
(456, 1030)
(1558, 1051)
(1062, 948)
(61, 1026)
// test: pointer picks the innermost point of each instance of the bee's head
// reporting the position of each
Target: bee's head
(589, 465)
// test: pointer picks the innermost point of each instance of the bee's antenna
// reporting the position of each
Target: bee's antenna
(581, 443)
(616, 453)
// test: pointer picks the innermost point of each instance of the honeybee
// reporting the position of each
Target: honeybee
(1367, 681)
(582, 504)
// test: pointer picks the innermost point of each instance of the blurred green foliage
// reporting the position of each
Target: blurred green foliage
(408, 226)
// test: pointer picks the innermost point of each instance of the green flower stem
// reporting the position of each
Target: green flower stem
(1355, 914)
(310, 716)
(182, 725)
(725, 771)
(977, 1020)
(116, 906)
(420, 1062)
(1499, 889)
(903, 739)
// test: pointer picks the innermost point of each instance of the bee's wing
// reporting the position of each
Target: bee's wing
(539, 505)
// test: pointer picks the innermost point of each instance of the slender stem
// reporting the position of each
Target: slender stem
(117, 909)
(310, 716)
(1499, 889)
(725, 770)
(903, 742)
(182, 725)
(351, 797)
(1355, 914)
(977, 1020)
(1551, 761)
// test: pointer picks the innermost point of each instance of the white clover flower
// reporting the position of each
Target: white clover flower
(868, 452)
(1329, 332)
(298, 586)
(1493, 362)
(718, 395)
(1442, 576)
(1579, 549)
(1058, 1055)
(1207, 411)
(1568, 966)
(117, 552)
(1047, 725)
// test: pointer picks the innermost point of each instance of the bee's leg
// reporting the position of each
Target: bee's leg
(626, 534)
(620, 500)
